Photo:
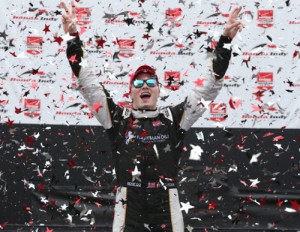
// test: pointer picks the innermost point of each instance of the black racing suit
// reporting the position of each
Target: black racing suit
(147, 144)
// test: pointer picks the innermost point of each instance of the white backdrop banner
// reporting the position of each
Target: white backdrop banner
(261, 87)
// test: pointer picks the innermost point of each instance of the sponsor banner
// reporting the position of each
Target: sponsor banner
(126, 47)
(3, 104)
(265, 80)
(172, 80)
(34, 45)
(265, 18)
(83, 16)
(32, 107)
(262, 78)
(174, 17)
(218, 112)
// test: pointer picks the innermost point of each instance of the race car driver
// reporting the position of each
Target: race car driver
(147, 139)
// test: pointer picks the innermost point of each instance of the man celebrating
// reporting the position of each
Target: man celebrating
(147, 139)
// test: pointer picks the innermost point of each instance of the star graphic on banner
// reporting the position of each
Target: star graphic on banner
(57, 12)
(199, 33)
(209, 39)
(209, 49)
(258, 95)
(13, 54)
(246, 61)
(191, 5)
(186, 206)
(164, 98)
(26, 93)
(18, 110)
(160, 31)
(58, 39)
(160, 58)
(46, 28)
(146, 36)
(149, 27)
(5, 93)
(35, 71)
(129, 21)
(3, 34)
(235, 102)
(100, 42)
(189, 37)
(291, 84)
(193, 64)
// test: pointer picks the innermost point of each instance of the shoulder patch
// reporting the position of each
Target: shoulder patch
(126, 113)
(167, 113)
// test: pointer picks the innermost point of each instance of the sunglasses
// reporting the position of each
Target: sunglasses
(139, 83)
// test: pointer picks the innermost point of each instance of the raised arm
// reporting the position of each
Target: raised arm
(97, 98)
(209, 87)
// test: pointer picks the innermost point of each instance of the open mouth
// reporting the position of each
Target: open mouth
(145, 96)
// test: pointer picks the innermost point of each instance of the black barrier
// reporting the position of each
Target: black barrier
(61, 178)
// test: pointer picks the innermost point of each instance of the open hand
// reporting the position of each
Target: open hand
(233, 25)
(69, 19)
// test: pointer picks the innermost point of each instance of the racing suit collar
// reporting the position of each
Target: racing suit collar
(145, 113)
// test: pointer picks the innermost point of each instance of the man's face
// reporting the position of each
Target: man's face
(144, 97)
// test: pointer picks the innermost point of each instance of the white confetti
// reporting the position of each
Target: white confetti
(289, 210)
(196, 152)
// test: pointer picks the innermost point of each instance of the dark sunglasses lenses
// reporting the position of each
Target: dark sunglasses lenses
(140, 83)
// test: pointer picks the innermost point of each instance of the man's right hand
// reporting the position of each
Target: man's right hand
(69, 19)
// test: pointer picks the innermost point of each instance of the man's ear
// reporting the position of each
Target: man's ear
(130, 96)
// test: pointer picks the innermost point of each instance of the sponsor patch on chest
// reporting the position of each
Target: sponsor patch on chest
(156, 123)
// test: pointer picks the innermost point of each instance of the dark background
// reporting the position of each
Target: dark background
(43, 167)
